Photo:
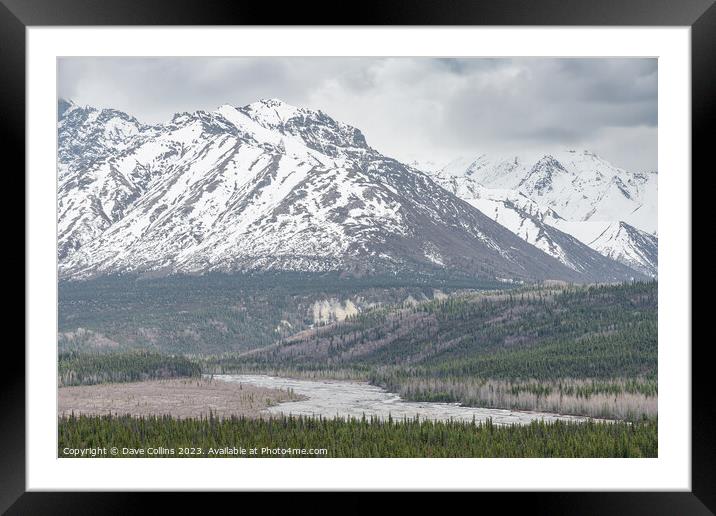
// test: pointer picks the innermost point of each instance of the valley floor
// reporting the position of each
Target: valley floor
(179, 398)
(576, 352)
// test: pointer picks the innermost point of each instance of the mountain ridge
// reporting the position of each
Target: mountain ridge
(265, 186)
(598, 197)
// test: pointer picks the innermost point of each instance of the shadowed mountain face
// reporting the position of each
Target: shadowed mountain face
(268, 186)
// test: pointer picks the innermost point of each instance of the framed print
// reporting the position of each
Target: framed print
(422, 248)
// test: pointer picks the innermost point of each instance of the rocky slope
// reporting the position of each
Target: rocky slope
(267, 186)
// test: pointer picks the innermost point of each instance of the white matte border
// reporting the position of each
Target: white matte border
(671, 471)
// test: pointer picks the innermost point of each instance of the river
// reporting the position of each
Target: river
(329, 398)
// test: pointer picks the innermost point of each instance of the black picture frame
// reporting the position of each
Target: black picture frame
(17, 15)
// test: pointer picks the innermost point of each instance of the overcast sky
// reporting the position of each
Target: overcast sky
(408, 108)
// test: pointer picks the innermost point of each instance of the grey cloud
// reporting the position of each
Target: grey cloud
(407, 107)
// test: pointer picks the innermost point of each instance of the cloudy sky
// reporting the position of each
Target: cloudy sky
(408, 108)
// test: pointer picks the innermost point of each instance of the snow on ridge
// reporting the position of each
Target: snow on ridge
(271, 112)
(575, 192)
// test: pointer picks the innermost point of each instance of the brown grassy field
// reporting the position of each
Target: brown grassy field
(180, 398)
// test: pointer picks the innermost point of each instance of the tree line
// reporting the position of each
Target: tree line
(364, 437)
(133, 366)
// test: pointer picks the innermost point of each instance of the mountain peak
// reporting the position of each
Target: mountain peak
(540, 178)
(548, 159)
(273, 102)
(272, 111)
(63, 106)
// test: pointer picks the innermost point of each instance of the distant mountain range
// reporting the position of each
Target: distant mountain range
(611, 210)
(269, 186)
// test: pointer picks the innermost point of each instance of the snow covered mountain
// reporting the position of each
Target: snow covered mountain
(606, 208)
(618, 241)
(579, 185)
(266, 186)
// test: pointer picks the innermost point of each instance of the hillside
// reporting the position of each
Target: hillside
(585, 350)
